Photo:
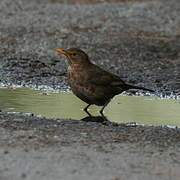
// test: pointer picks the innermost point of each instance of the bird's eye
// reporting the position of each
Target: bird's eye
(74, 54)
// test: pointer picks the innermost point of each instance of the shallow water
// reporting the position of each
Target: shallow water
(122, 109)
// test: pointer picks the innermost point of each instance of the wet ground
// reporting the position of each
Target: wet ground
(137, 39)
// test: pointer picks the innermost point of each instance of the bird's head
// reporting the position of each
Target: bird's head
(74, 55)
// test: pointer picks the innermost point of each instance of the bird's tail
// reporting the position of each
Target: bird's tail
(137, 87)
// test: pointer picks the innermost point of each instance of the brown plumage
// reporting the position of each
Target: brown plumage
(89, 82)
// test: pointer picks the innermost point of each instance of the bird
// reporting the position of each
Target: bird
(91, 83)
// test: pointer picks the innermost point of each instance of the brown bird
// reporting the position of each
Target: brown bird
(89, 82)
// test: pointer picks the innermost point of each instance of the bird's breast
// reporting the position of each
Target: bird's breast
(77, 79)
(76, 73)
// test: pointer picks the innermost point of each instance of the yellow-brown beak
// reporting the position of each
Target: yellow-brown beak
(61, 51)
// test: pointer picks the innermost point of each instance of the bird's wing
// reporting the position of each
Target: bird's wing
(101, 77)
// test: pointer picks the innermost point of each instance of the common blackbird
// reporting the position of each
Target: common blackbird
(89, 82)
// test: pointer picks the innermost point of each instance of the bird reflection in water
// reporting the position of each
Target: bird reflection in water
(99, 119)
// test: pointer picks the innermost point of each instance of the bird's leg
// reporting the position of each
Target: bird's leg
(86, 109)
(102, 109)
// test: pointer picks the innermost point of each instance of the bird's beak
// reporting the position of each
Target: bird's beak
(61, 51)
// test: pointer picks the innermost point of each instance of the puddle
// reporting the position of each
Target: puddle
(122, 109)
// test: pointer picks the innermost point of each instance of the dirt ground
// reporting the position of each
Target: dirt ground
(139, 40)
(39, 148)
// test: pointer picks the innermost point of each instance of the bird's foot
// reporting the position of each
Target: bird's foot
(103, 116)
